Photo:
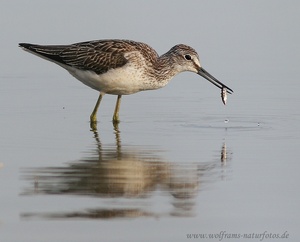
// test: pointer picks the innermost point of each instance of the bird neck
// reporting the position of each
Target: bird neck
(165, 67)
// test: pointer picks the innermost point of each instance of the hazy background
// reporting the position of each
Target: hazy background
(251, 46)
(223, 32)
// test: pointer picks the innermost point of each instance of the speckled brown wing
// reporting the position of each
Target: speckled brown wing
(97, 56)
(94, 56)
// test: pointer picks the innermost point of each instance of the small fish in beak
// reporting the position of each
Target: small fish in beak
(224, 95)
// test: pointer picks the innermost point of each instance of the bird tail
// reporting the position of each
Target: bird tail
(49, 52)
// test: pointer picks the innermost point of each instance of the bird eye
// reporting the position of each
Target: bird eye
(187, 57)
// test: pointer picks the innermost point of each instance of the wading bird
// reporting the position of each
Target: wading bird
(122, 67)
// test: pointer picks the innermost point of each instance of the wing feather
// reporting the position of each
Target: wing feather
(98, 56)
(87, 57)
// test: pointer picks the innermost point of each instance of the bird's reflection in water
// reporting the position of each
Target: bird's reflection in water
(119, 172)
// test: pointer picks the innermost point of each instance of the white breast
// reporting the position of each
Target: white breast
(129, 79)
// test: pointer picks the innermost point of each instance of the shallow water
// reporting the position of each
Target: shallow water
(177, 164)
(180, 165)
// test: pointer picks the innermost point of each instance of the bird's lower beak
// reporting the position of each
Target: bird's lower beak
(202, 72)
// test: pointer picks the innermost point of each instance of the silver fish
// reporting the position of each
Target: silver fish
(224, 95)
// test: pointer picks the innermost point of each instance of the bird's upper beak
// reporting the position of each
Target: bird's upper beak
(202, 72)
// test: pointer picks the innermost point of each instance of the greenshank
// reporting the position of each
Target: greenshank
(122, 67)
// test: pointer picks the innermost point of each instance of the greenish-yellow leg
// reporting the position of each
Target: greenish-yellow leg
(93, 116)
(117, 108)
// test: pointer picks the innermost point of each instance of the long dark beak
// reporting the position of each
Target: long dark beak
(213, 80)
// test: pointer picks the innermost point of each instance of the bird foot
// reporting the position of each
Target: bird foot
(93, 124)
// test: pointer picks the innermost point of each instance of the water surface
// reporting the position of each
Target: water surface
(180, 163)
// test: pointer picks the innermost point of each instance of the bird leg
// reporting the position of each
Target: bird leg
(93, 116)
(116, 119)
